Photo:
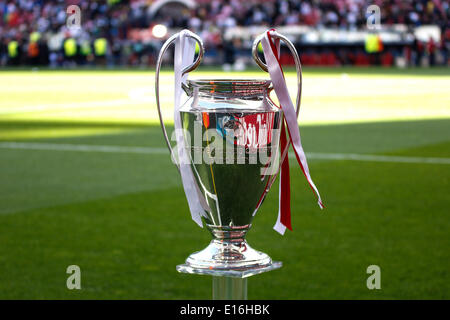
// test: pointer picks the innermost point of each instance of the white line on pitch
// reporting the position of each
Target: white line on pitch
(376, 158)
(164, 151)
(81, 147)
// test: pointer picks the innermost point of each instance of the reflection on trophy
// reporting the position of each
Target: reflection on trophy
(238, 123)
(231, 143)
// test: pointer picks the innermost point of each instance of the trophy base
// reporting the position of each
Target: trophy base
(228, 258)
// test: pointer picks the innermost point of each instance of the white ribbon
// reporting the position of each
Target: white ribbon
(279, 226)
(281, 90)
(184, 56)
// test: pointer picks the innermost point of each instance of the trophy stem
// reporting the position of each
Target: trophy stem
(229, 288)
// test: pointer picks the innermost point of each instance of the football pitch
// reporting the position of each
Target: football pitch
(85, 179)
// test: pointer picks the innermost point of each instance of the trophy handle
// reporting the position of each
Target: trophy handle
(298, 67)
(189, 68)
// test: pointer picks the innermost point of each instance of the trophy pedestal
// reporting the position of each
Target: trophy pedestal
(230, 263)
(228, 288)
(185, 268)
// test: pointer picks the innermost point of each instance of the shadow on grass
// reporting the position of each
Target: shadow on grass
(367, 137)
(127, 244)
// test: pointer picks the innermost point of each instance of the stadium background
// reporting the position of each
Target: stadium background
(85, 178)
(119, 32)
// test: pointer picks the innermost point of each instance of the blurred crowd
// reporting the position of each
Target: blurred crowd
(35, 32)
(328, 13)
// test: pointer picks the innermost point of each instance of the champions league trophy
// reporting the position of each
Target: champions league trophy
(228, 153)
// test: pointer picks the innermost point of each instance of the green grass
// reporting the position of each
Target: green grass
(123, 217)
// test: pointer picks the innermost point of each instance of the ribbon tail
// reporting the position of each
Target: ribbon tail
(301, 159)
(285, 183)
(279, 227)
(284, 195)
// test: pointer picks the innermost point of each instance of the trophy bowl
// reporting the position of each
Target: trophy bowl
(231, 133)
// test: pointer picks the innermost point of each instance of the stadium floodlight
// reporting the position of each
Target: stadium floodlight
(159, 31)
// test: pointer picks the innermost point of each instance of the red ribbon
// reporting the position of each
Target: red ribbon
(285, 193)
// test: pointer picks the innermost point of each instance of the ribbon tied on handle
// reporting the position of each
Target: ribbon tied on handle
(270, 42)
(183, 63)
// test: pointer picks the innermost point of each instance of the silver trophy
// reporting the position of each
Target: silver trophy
(239, 160)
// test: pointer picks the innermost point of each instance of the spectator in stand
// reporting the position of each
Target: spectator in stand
(14, 52)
